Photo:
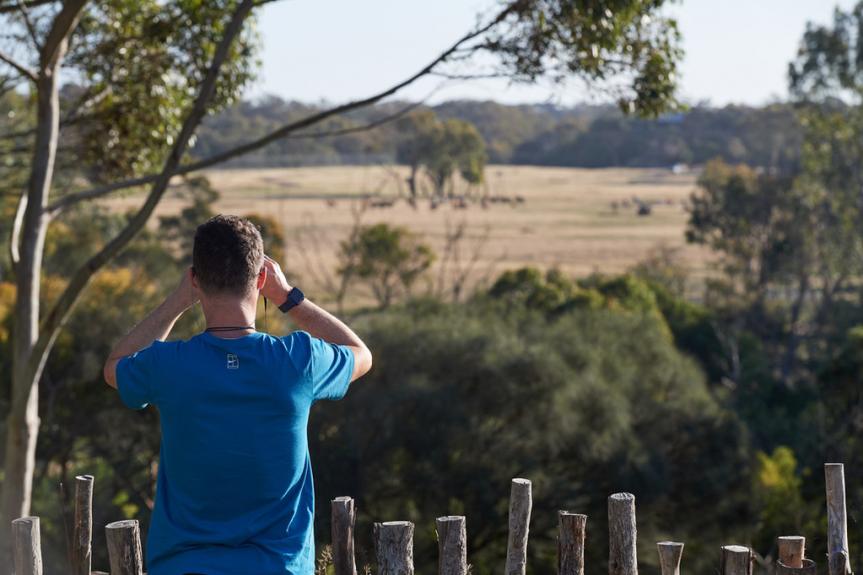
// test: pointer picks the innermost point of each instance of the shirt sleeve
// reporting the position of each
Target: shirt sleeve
(135, 376)
(330, 369)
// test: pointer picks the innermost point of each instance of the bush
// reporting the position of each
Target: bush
(464, 398)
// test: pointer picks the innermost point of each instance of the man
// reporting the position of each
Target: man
(234, 493)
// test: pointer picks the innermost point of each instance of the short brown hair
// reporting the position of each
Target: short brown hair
(228, 255)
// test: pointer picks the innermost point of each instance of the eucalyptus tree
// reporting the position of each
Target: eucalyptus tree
(441, 149)
(141, 76)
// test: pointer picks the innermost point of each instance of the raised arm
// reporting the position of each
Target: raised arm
(315, 320)
(156, 326)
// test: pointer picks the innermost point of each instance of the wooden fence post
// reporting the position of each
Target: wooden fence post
(792, 549)
(736, 560)
(124, 547)
(670, 553)
(82, 536)
(343, 518)
(622, 555)
(572, 529)
(807, 568)
(394, 547)
(837, 522)
(27, 545)
(520, 503)
(452, 545)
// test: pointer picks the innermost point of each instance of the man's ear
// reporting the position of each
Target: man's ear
(262, 278)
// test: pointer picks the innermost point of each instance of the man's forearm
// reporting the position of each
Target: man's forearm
(156, 326)
(324, 325)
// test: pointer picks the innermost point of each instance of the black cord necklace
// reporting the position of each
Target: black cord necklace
(231, 328)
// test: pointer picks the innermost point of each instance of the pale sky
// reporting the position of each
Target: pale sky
(737, 51)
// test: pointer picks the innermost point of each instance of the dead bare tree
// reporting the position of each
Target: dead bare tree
(455, 270)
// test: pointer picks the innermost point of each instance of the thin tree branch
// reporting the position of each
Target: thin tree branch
(22, 7)
(62, 308)
(485, 76)
(23, 70)
(8, 8)
(361, 128)
(282, 132)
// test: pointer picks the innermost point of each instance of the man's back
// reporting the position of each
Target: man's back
(235, 490)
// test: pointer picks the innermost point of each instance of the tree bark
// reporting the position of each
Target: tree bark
(792, 550)
(622, 557)
(342, 533)
(837, 521)
(670, 553)
(22, 423)
(807, 567)
(124, 547)
(736, 560)
(520, 503)
(28, 546)
(82, 536)
(452, 545)
(572, 528)
(394, 547)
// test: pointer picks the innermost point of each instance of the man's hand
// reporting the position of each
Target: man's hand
(185, 295)
(316, 321)
(276, 286)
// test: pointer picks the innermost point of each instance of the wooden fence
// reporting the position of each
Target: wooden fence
(393, 540)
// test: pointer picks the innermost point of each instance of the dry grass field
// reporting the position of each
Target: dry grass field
(579, 220)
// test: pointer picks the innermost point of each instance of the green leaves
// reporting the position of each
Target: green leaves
(829, 61)
(387, 259)
(627, 48)
(443, 148)
(464, 398)
(139, 66)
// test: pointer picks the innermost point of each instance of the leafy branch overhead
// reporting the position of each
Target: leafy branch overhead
(829, 61)
(626, 49)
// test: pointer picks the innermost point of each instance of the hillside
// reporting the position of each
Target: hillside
(545, 135)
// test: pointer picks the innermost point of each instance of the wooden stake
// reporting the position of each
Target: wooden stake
(82, 536)
(670, 553)
(622, 555)
(343, 518)
(124, 547)
(452, 545)
(572, 529)
(736, 560)
(394, 546)
(837, 522)
(792, 549)
(520, 503)
(27, 543)
(807, 568)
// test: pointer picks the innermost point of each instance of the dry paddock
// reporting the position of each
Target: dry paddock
(579, 220)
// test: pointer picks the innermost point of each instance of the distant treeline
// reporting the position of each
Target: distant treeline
(583, 136)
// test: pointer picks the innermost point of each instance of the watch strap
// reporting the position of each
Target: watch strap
(295, 298)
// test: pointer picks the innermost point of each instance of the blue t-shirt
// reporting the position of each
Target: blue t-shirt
(234, 494)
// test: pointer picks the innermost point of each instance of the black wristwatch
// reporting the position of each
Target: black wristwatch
(295, 298)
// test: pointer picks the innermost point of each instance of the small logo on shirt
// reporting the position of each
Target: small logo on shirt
(233, 361)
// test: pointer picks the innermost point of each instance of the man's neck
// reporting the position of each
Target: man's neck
(230, 312)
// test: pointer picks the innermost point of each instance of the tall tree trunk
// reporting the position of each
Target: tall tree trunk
(22, 424)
